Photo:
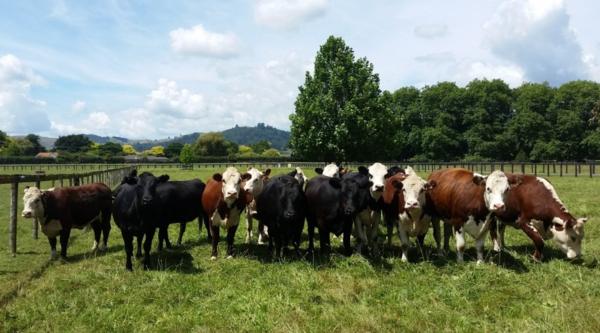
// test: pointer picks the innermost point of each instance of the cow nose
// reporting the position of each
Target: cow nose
(231, 194)
(498, 206)
(412, 204)
(26, 214)
(288, 215)
(378, 188)
(146, 201)
(348, 211)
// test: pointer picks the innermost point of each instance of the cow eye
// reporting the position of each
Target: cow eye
(489, 190)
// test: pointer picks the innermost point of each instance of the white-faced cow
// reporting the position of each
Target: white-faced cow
(298, 173)
(70, 207)
(253, 187)
(533, 206)
(465, 201)
(223, 203)
(366, 223)
(405, 203)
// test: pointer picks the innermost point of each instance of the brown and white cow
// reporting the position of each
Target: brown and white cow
(465, 201)
(534, 207)
(366, 222)
(223, 201)
(253, 187)
(405, 204)
(64, 208)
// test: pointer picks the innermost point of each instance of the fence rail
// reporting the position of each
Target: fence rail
(110, 177)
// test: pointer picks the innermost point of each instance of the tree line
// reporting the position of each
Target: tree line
(341, 114)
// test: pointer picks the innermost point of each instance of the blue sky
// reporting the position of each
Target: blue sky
(145, 69)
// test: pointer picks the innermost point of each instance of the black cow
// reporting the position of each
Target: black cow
(332, 205)
(281, 206)
(172, 202)
(128, 215)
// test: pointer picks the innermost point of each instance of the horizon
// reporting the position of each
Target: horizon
(152, 71)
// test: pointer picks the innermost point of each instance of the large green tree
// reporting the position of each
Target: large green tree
(73, 143)
(214, 144)
(338, 115)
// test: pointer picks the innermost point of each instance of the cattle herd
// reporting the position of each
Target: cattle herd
(335, 201)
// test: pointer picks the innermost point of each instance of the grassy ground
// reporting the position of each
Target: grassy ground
(188, 292)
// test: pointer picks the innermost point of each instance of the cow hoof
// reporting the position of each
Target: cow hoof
(102, 247)
(213, 258)
(230, 257)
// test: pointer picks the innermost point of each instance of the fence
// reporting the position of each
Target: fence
(110, 177)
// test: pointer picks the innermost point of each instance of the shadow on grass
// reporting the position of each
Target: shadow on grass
(174, 260)
(92, 254)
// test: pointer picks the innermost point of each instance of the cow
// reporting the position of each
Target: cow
(299, 175)
(129, 217)
(333, 204)
(465, 201)
(172, 202)
(534, 207)
(332, 170)
(65, 208)
(405, 204)
(222, 203)
(281, 206)
(366, 223)
(253, 187)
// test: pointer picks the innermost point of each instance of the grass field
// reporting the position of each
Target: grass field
(186, 291)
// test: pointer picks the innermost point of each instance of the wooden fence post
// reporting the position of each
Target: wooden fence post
(12, 227)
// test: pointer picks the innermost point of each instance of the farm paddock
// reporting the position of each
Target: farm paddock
(186, 291)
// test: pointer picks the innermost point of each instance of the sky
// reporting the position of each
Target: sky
(157, 69)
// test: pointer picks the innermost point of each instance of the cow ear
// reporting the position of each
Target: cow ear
(163, 178)
(267, 172)
(582, 220)
(397, 184)
(246, 176)
(479, 179)
(133, 173)
(319, 171)
(217, 177)
(335, 182)
(363, 170)
(293, 173)
(429, 185)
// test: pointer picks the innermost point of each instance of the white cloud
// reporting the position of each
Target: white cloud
(78, 106)
(431, 31)
(19, 112)
(199, 41)
(94, 123)
(468, 71)
(169, 99)
(286, 14)
(536, 36)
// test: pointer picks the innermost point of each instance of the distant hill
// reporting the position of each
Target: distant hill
(242, 135)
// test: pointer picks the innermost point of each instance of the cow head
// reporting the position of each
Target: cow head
(232, 183)
(289, 198)
(33, 203)
(149, 182)
(255, 183)
(354, 189)
(377, 172)
(299, 175)
(413, 190)
(568, 235)
(495, 187)
(331, 170)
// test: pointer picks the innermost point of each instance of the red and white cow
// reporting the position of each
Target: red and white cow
(254, 186)
(223, 203)
(366, 222)
(534, 207)
(466, 201)
(405, 203)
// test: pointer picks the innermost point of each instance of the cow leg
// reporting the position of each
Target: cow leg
(64, 241)
(97, 234)
(494, 233)
(311, 235)
(278, 245)
(215, 241)
(435, 224)
(346, 239)
(404, 242)
(52, 241)
(538, 241)
(263, 232)
(324, 241)
(181, 231)
(206, 226)
(447, 235)
(105, 229)
(148, 247)
(138, 253)
(360, 235)
(230, 237)
(373, 231)
(460, 243)
(248, 226)
(166, 237)
(128, 241)
(421, 244)
(479, 247)
(270, 247)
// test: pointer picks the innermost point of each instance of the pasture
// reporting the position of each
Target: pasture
(186, 291)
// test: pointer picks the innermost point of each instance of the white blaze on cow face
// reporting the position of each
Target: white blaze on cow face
(255, 184)
(496, 185)
(568, 237)
(300, 176)
(377, 173)
(331, 170)
(33, 206)
(231, 184)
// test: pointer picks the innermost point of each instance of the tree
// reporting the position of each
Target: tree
(214, 144)
(338, 115)
(245, 151)
(110, 149)
(187, 154)
(3, 139)
(36, 147)
(17, 147)
(271, 152)
(73, 143)
(156, 151)
(173, 149)
(260, 146)
(129, 150)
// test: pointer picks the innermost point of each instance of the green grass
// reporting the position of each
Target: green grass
(186, 291)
